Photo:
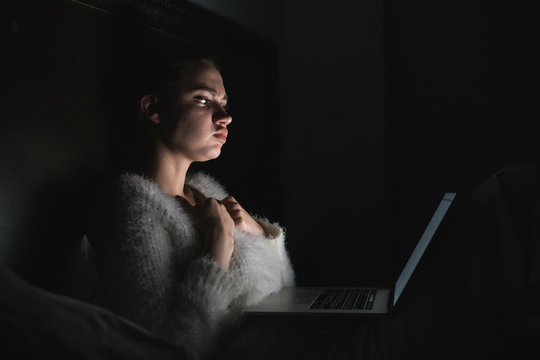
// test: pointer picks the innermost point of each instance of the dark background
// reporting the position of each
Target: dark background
(409, 99)
(349, 120)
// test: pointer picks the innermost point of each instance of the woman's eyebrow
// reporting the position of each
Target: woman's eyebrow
(209, 89)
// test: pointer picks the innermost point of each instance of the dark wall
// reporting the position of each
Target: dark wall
(462, 89)
(333, 142)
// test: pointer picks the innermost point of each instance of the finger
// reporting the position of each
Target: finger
(231, 204)
(232, 207)
(206, 203)
(186, 205)
(183, 202)
(236, 215)
(210, 200)
(229, 200)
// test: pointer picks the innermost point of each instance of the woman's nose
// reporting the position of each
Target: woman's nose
(221, 117)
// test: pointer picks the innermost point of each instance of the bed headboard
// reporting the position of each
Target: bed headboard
(62, 133)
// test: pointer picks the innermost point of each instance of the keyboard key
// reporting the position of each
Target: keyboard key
(331, 298)
(341, 297)
(317, 304)
(351, 299)
(361, 300)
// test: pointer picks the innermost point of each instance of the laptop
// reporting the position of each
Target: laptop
(356, 300)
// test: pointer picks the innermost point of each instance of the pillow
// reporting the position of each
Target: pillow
(38, 323)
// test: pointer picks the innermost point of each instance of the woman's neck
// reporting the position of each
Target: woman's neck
(169, 171)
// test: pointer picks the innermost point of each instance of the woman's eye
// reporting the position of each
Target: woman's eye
(202, 100)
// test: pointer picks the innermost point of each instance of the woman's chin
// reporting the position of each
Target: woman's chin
(214, 154)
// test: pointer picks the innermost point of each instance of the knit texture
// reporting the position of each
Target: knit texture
(154, 272)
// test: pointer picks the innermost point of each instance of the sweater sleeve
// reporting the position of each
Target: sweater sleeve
(260, 265)
(201, 306)
(144, 282)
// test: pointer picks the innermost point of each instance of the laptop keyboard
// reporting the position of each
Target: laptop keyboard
(345, 299)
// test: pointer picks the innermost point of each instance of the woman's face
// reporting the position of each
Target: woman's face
(194, 120)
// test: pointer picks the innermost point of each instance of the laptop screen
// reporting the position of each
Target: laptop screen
(416, 255)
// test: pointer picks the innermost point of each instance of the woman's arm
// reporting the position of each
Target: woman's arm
(144, 281)
(260, 262)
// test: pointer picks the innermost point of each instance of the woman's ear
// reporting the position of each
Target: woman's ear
(149, 107)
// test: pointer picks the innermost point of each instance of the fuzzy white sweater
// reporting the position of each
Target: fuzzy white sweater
(154, 273)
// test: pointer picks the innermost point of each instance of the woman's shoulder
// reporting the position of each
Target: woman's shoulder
(132, 182)
(133, 191)
(206, 185)
(135, 186)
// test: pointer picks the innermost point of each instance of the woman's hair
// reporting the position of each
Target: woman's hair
(160, 75)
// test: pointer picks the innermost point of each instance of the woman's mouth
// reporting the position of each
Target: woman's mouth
(221, 136)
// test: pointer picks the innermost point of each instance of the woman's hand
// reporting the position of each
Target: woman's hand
(215, 225)
(241, 217)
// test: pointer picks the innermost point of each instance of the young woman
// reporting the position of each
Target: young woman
(179, 255)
